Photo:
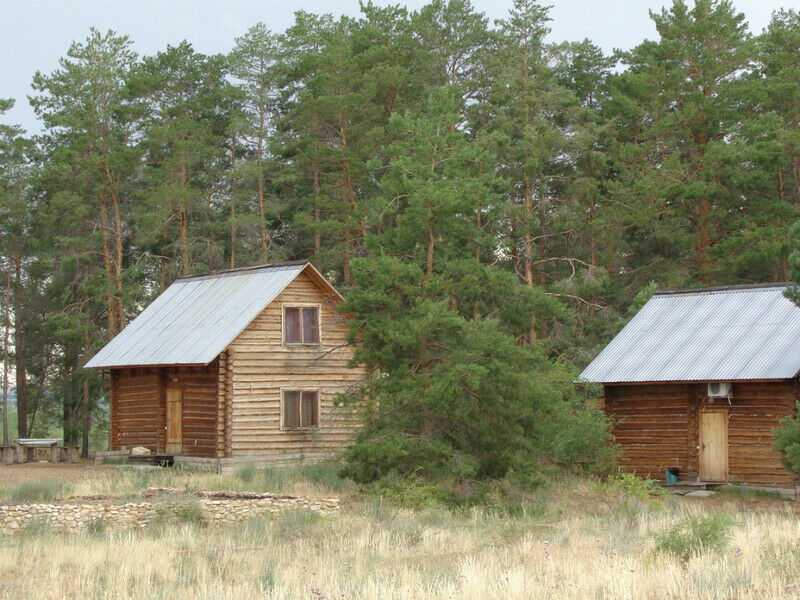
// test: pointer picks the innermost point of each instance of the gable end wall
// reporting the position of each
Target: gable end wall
(260, 366)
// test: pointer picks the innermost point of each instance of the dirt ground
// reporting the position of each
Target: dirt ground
(70, 473)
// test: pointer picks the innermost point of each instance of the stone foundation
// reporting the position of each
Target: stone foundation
(204, 507)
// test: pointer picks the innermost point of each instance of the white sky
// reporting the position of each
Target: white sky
(34, 34)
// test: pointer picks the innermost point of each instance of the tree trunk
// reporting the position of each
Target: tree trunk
(67, 412)
(184, 225)
(233, 203)
(261, 203)
(702, 242)
(111, 302)
(119, 305)
(317, 235)
(85, 420)
(346, 257)
(6, 324)
(527, 247)
(19, 363)
(429, 257)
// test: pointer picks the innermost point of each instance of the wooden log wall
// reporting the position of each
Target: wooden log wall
(657, 426)
(229, 403)
(221, 377)
(755, 411)
(136, 409)
(260, 365)
(653, 427)
(199, 385)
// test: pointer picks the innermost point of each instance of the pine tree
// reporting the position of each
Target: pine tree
(674, 109)
(90, 127)
(190, 104)
(529, 107)
(14, 222)
(253, 62)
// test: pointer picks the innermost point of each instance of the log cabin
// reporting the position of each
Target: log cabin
(242, 364)
(697, 381)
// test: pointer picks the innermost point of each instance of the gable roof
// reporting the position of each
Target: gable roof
(714, 334)
(196, 318)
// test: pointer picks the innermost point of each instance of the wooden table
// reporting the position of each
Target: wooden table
(30, 443)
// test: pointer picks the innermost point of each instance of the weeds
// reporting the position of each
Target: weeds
(628, 484)
(178, 513)
(246, 473)
(694, 535)
(34, 491)
(745, 492)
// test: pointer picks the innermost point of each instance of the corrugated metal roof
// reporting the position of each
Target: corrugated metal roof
(705, 335)
(196, 318)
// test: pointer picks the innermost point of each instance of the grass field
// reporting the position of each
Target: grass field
(576, 538)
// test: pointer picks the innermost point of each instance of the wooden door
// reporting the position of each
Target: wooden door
(174, 420)
(714, 445)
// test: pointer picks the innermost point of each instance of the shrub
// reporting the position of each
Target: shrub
(694, 535)
(787, 442)
(628, 484)
(178, 513)
(413, 493)
(457, 396)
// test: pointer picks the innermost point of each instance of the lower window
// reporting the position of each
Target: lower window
(300, 409)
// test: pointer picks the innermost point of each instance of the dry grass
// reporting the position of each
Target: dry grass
(586, 543)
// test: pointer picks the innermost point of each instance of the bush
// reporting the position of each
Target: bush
(413, 493)
(694, 535)
(454, 395)
(787, 442)
(178, 513)
(628, 484)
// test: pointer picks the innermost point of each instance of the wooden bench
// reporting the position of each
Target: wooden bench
(7, 454)
(69, 453)
(24, 445)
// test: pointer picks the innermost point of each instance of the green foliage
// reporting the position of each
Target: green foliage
(41, 490)
(494, 207)
(628, 484)
(695, 535)
(178, 513)
(455, 395)
(787, 442)
(745, 492)
(246, 473)
(37, 527)
(412, 493)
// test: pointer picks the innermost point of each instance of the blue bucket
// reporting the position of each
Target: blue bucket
(672, 475)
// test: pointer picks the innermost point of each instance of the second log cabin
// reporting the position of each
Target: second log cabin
(697, 381)
(238, 364)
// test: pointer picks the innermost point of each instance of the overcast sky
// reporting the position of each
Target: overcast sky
(34, 34)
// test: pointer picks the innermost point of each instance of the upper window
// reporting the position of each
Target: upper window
(301, 325)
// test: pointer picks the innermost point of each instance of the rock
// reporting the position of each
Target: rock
(701, 494)
(140, 451)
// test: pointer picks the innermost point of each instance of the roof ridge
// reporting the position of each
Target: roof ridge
(289, 263)
(724, 288)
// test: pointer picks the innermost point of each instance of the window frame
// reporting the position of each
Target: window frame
(301, 391)
(301, 306)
